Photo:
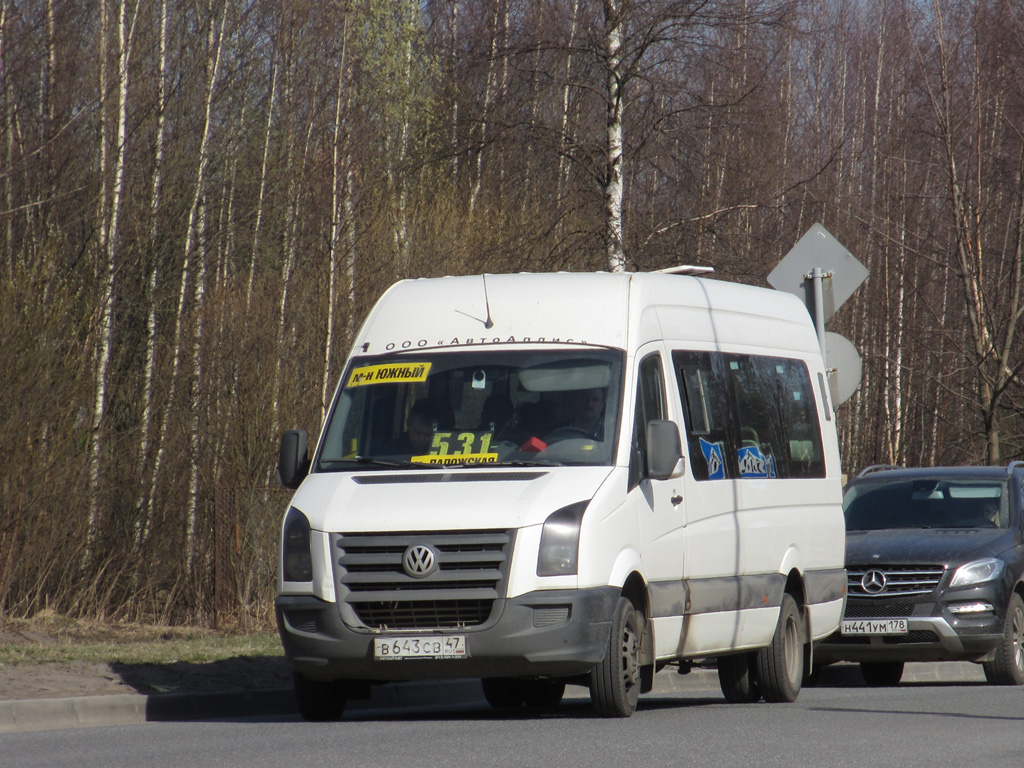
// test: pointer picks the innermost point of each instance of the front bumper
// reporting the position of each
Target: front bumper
(934, 633)
(558, 633)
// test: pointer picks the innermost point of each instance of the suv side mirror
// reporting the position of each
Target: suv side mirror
(664, 450)
(292, 461)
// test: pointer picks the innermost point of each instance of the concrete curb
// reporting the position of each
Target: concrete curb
(130, 708)
(125, 709)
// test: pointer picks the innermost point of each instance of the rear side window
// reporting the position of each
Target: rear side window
(749, 416)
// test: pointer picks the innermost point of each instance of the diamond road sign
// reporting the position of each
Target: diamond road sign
(818, 249)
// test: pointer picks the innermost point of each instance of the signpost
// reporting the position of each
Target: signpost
(823, 274)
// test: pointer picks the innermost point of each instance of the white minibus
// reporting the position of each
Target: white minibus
(542, 480)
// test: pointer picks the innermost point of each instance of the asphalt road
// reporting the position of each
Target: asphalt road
(925, 722)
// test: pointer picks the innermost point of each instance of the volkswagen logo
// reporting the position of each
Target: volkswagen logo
(874, 581)
(419, 561)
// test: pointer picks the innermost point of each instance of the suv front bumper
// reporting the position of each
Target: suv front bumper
(938, 635)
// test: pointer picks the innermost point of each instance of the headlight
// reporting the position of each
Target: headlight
(977, 572)
(560, 541)
(295, 556)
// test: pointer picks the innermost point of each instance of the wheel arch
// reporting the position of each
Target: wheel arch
(635, 590)
(795, 587)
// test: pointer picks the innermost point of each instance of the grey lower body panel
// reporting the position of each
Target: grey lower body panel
(558, 633)
(738, 593)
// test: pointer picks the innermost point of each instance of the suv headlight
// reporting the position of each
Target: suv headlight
(296, 560)
(560, 541)
(977, 572)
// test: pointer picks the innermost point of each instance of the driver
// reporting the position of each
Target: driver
(587, 411)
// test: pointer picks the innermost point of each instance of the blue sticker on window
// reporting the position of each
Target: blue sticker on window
(715, 457)
(753, 463)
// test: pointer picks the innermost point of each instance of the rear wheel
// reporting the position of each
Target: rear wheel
(615, 681)
(503, 692)
(780, 666)
(737, 674)
(881, 674)
(1007, 668)
(320, 701)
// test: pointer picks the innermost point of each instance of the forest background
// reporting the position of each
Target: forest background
(200, 199)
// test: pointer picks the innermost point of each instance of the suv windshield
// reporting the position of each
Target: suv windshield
(475, 408)
(927, 503)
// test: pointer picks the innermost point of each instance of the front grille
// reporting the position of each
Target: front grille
(899, 579)
(472, 568)
(878, 610)
(917, 636)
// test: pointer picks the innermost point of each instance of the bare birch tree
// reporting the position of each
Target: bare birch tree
(976, 260)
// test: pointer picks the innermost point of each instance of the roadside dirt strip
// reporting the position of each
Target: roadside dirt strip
(35, 714)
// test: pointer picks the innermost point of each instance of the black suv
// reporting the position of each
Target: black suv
(935, 565)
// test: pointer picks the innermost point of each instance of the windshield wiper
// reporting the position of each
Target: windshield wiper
(371, 461)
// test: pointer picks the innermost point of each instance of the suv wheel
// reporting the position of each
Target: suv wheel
(881, 674)
(1007, 668)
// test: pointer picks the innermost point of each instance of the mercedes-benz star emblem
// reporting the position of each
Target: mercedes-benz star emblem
(873, 582)
(419, 561)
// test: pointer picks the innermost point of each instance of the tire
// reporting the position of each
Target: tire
(615, 682)
(1007, 668)
(503, 692)
(320, 701)
(780, 666)
(737, 675)
(543, 694)
(881, 674)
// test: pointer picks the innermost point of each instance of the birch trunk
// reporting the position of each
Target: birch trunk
(613, 197)
(490, 86)
(564, 138)
(399, 174)
(213, 69)
(196, 238)
(110, 240)
(8, 117)
(257, 227)
(340, 220)
(156, 189)
(296, 171)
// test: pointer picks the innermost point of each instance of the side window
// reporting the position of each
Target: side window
(703, 385)
(798, 430)
(650, 404)
(749, 416)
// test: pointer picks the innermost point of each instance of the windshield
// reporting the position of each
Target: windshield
(927, 503)
(475, 408)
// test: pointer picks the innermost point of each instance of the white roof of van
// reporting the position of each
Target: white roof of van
(595, 308)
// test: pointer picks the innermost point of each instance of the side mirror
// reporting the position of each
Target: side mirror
(292, 461)
(664, 450)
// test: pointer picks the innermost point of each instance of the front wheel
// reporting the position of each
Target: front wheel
(1007, 668)
(320, 701)
(780, 666)
(543, 694)
(503, 692)
(881, 674)
(615, 681)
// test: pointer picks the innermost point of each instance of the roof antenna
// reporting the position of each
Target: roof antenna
(488, 323)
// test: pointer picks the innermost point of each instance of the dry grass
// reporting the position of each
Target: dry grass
(49, 637)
